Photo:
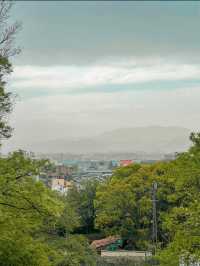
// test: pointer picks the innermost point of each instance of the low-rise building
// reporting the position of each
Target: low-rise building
(108, 243)
(125, 162)
(61, 185)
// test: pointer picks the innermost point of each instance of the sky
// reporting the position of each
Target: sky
(88, 67)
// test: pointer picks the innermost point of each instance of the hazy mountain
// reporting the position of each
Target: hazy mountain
(148, 139)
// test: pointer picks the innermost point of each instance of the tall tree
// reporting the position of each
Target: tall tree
(183, 219)
(31, 215)
(82, 200)
(7, 49)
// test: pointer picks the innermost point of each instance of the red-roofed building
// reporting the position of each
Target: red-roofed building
(125, 162)
(108, 243)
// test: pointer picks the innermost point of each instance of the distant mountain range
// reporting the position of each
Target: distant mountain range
(154, 139)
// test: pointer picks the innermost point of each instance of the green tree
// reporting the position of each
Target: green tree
(82, 200)
(23, 203)
(7, 49)
(36, 221)
(75, 251)
(123, 204)
(5, 99)
(182, 221)
(27, 212)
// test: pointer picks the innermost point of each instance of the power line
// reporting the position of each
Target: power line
(155, 228)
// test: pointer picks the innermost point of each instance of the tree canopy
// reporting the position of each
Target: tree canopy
(124, 205)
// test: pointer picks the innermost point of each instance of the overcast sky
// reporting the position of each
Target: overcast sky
(90, 67)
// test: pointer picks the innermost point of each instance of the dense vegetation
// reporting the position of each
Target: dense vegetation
(35, 223)
(124, 204)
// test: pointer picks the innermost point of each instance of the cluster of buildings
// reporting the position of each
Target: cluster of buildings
(58, 178)
(64, 175)
(69, 173)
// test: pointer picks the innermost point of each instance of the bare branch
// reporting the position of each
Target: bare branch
(23, 175)
(30, 203)
(5, 7)
(7, 33)
(7, 38)
(33, 206)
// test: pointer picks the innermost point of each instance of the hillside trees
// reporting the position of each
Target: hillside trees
(124, 206)
(124, 203)
(27, 210)
(82, 201)
(182, 222)
(35, 222)
(31, 218)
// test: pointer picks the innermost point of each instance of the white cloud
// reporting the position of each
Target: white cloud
(58, 116)
(116, 72)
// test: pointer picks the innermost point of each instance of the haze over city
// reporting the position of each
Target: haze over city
(100, 66)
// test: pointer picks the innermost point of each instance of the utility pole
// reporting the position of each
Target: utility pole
(155, 230)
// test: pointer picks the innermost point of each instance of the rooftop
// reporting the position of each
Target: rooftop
(105, 241)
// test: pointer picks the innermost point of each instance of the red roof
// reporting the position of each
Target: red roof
(125, 162)
(104, 242)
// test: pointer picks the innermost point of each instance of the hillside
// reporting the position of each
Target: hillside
(148, 139)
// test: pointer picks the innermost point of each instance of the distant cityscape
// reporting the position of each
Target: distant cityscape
(70, 170)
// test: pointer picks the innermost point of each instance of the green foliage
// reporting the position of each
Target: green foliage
(35, 221)
(27, 210)
(195, 138)
(5, 99)
(69, 220)
(75, 251)
(183, 220)
(124, 205)
(82, 200)
(22, 250)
